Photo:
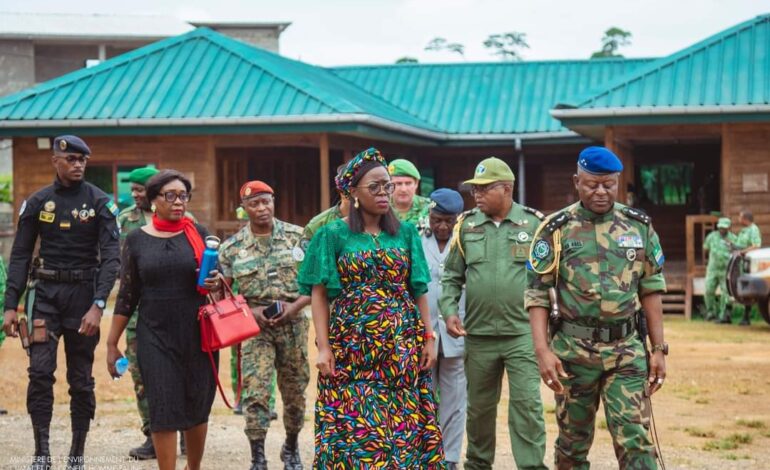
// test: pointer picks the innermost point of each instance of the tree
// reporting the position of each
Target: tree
(614, 38)
(507, 45)
(438, 44)
(407, 60)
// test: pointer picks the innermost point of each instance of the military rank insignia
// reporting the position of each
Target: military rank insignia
(47, 217)
(113, 208)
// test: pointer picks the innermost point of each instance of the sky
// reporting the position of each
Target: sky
(353, 32)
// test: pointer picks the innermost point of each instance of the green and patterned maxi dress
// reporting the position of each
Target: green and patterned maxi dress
(379, 410)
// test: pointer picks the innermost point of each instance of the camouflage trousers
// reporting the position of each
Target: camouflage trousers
(616, 373)
(136, 376)
(282, 351)
(234, 378)
(716, 278)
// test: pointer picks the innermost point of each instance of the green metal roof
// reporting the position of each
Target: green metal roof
(727, 74)
(196, 76)
(488, 98)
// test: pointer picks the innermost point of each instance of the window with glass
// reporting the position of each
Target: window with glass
(666, 184)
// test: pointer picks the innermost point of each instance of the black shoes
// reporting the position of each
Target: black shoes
(76, 461)
(290, 454)
(145, 451)
(258, 460)
(42, 458)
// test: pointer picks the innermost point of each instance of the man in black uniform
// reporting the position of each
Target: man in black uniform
(73, 275)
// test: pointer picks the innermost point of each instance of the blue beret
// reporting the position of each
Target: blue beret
(70, 144)
(599, 161)
(446, 201)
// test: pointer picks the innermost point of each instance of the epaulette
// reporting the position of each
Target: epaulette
(463, 215)
(556, 221)
(455, 243)
(534, 212)
(637, 214)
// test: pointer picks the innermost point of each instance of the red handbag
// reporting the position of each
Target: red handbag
(224, 323)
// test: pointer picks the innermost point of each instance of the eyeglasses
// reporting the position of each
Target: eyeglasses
(375, 188)
(482, 189)
(72, 159)
(171, 196)
(256, 202)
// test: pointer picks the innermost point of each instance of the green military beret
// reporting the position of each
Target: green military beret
(401, 167)
(724, 222)
(140, 175)
(491, 170)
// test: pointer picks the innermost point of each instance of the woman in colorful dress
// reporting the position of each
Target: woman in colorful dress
(375, 407)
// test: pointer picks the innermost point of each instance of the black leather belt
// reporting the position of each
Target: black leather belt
(601, 333)
(76, 275)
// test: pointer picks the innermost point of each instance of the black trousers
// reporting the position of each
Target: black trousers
(63, 306)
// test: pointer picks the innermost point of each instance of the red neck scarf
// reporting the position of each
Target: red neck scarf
(187, 226)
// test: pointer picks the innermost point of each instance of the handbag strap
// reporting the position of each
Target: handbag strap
(215, 371)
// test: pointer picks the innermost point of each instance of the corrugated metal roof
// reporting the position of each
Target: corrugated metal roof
(487, 98)
(730, 68)
(101, 26)
(201, 74)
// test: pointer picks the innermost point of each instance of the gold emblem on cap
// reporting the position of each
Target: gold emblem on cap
(49, 206)
(63, 144)
(391, 168)
(247, 191)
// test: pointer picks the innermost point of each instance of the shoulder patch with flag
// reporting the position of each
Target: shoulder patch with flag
(112, 207)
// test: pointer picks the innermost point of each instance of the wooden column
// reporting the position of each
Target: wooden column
(725, 161)
(625, 152)
(323, 146)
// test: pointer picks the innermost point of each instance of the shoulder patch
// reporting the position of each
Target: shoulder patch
(557, 221)
(637, 214)
(23, 207)
(112, 207)
(534, 212)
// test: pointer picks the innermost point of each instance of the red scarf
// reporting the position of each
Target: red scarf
(190, 232)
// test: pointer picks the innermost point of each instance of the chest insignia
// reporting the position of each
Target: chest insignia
(47, 217)
(297, 254)
(243, 253)
(523, 236)
(64, 225)
(573, 244)
(83, 215)
(630, 254)
(630, 241)
(49, 206)
(541, 250)
(74, 213)
(91, 212)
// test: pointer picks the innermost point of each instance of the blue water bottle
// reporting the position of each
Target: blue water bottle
(209, 259)
(121, 365)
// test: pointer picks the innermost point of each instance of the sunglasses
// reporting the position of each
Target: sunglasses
(72, 159)
(375, 188)
(171, 196)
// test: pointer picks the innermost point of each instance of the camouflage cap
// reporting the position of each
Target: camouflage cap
(491, 170)
(724, 222)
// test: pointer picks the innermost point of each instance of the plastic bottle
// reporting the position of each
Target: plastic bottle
(121, 365)
(209, 259)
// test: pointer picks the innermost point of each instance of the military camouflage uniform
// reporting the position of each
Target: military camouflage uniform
(129, 219)
(608, 262)
(749, 237)
(326, 217)
(720, 250)
(417, 214)
(266, 271)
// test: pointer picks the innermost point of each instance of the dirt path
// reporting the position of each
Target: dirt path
(713, 413)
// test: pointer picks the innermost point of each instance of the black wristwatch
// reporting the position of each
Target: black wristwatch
(663, 347)
(100, 303)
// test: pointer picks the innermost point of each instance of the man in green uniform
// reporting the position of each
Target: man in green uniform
(260, 258)
(328, 216)
(487, 255)
(719, 246)
(408, 205)
(749, 238)
(594, 265)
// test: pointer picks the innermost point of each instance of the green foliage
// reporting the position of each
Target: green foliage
(697, 432)
(6, 187)
(507, 46)
(407, 60)
(751, 423)
(731, 442)
(441, 44)
(614, 38)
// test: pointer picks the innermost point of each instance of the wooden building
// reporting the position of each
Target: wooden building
(692, 128)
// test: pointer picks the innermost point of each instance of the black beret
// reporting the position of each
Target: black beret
(70, 144)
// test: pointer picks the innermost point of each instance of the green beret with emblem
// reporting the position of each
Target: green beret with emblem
(401, 167)
(141, 175)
